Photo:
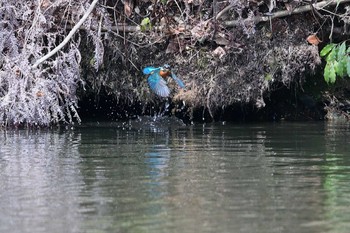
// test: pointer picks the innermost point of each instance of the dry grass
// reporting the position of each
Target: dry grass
(220, 66)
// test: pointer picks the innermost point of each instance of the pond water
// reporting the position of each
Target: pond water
(162, 176)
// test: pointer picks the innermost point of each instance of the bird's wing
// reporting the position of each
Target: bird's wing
(177, 80)
(150, 69)
(158, 85)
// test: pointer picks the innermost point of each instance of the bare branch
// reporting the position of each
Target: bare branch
(280, 14)
(69, 36)
(258, 19)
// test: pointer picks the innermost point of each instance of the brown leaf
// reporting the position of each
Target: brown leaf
(289, 7)
(201, 31)
(313, 39)
(128, 7)
(178, 30)
(175, 45)
(39, 94)
(219, 52)
(45, 4)
(221, 39)
(172, 47)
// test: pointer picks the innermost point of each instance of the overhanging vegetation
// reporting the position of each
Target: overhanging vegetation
(227, 52)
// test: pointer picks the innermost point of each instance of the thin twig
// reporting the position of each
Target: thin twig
(215, 12)
(280, 14)
(258, 19)
(223, 11)
(332, 27)
(69, 36)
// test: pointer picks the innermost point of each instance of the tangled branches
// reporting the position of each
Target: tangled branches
(216, 47)
(38, 94)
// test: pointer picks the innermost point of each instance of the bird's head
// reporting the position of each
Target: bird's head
(166, 68)
(165, 71)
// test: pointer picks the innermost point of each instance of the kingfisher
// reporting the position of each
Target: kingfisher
(156, 79)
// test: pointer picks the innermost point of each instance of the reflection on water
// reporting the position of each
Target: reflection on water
(38, 176)
(152, 176)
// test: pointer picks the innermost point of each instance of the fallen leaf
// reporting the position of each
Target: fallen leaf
(128, 7)
(172, 47)
(175, 45)
(290, 6)
(45, 4)
(313, 39)
(201, 31)
(39, 94)
(178, 30)
(219, 52)
(221, 39)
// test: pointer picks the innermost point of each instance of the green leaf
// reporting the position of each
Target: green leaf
(268, 77)
(332, 74)
(329, 73)
(348, 66)
(340, 67)
(332, 56)
(326, 73)
(341, 51)
(145, 24)
(327, 49)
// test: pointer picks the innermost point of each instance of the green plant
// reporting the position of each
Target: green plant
(338, 61)
(146, 24)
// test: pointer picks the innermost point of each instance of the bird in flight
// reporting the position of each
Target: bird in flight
(156, 79)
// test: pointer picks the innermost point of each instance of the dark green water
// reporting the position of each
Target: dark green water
(163, 177)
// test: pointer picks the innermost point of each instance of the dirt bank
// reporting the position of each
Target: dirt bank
(230, 54)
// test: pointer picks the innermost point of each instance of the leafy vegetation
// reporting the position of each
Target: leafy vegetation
(226, 51)
(146, 24)
(338, 61)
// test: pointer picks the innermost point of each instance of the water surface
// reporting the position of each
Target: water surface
(162, 176)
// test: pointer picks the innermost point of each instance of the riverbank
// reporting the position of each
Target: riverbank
(66, 60)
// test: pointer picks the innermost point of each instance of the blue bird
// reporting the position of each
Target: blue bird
(156, 79)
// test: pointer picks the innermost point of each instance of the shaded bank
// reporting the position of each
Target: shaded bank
(233, 56)
(285, 103)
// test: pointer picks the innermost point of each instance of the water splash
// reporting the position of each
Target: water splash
(156, 123)
(160, 121)
(163, 111)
